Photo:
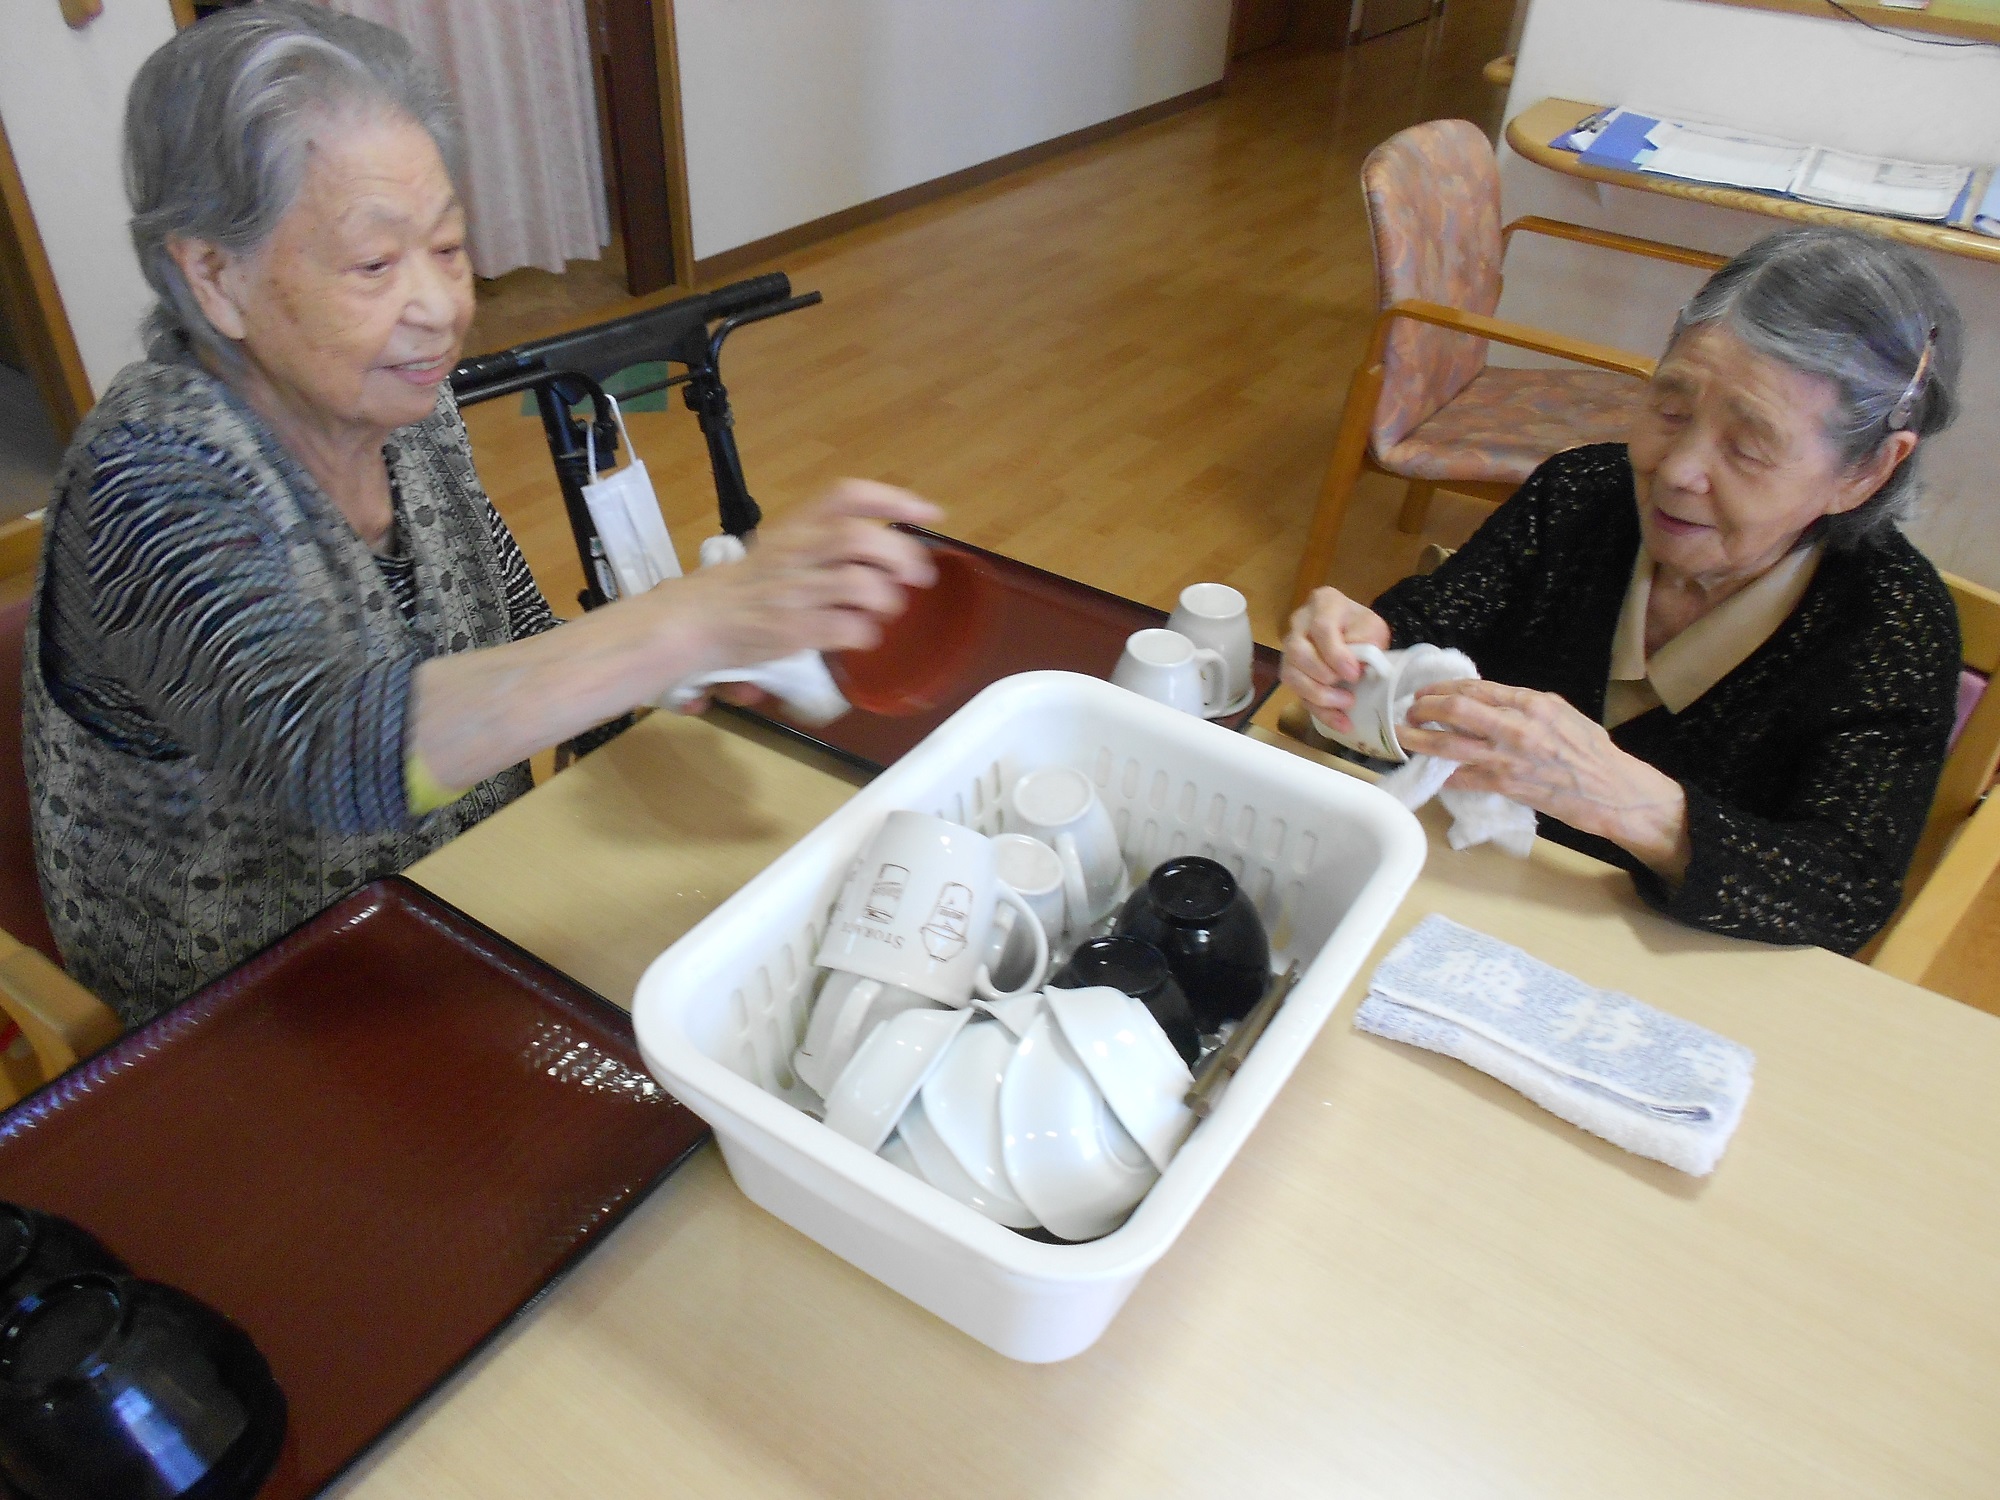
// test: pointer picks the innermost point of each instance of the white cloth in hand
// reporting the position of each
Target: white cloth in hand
(800, 681)
(1476, 817)
(1642, 1079)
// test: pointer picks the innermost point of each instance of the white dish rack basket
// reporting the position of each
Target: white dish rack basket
(1327, 858)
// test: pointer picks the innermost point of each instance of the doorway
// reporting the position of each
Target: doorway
(491, 54)
(43, 390)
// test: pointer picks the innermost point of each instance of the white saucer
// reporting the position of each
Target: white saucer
(942, 1171)
(1067, 1156)
(1240, 704)
(961, 1106)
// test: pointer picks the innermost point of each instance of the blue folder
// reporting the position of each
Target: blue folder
(1622, 143)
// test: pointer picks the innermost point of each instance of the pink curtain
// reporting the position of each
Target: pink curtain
(521, 73)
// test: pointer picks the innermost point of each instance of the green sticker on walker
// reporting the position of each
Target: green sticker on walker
(631, 378)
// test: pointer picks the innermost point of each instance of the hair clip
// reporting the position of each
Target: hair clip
(1906, 404)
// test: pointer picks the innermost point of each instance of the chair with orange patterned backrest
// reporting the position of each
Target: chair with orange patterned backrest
(1960, 848)
(48, 1022)
(1425, 406)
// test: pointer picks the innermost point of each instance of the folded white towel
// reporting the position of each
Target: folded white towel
(1640, 1078)
(1476, 817)
(801, 681)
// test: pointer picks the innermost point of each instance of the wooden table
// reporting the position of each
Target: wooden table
(1411, 1282)
(1530, 132)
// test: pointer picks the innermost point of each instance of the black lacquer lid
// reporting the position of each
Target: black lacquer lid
(1192, 889)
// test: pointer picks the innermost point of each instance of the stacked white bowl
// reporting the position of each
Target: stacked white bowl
(1054, 1111)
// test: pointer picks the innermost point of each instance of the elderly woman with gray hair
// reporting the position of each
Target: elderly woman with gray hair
(284, 644)
(1709, 654)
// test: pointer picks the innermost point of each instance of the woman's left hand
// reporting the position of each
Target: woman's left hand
(1536, 749)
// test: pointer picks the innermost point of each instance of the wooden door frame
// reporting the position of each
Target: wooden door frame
(680, 224)
(34, 306)
(667, 64)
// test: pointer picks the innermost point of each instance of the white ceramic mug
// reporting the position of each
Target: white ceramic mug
(1059, 806)
(848, 1010)
(1389, 680)
(918, 912)
(1033, 869)
(1167, 667)
(1216, 617)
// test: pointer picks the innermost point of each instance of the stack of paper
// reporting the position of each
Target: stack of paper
(1877, 185)
(1814, 174)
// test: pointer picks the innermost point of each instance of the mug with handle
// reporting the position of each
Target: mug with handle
(1167, 667)
(848, 1010)
(1059, 806)
(1389, 680)
(1035, 870)
(1216, 617)
(917, 912)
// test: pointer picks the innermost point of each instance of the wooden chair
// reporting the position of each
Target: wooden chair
(1424, 405)
(51, 1021)
(47, 1020)
(1960, 848)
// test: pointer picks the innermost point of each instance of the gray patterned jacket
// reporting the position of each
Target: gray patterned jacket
(210, 597)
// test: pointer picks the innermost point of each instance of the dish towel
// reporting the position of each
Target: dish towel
(1476, 817)
(1640, 1078)
(800, 681)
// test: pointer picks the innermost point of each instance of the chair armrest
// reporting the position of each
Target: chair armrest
(61, 1019)
(20, 544)
(1606, 239)
(1919, 933)
(1500, 331)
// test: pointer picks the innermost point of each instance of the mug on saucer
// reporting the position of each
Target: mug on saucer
(1216, 617)
(1167, 667)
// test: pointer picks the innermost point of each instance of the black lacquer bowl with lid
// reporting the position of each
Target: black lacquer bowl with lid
(113, 1388)
(1195, 913)
(1139, 969)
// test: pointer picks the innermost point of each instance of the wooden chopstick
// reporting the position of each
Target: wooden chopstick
(1227, 1058)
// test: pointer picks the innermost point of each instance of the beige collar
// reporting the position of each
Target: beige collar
(1708, 650)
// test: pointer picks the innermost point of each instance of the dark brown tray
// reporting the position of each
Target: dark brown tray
(372, 1145)
(1044, 622)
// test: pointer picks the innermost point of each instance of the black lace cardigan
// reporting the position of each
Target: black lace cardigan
(1809, 769)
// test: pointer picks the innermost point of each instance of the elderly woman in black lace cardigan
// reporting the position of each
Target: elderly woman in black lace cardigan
(1710, 655)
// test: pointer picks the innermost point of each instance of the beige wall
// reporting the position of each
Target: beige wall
(62, 97)
(797, 109)
(1828, 82)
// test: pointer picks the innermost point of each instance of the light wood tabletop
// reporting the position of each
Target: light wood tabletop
(1530, 132)
(1410, 1283)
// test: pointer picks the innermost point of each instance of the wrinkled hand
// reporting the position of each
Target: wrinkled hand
(1539, 750)
(1319, 664)
(823, 578)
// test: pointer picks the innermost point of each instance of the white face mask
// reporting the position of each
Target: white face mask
(628, 520)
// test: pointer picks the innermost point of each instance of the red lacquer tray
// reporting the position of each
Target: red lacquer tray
(371, 1145)
(1042, 621)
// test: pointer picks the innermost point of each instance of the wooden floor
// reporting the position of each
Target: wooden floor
(1124, 365)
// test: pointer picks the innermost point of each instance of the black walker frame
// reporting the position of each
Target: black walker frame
(567, 369)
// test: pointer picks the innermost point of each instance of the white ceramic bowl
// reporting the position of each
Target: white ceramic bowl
(942, 1171)
(1073, 1164)
(1017, 1013)
(961, 1104)
(1132, 1063)
(896, 1151)
(886, 1071)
